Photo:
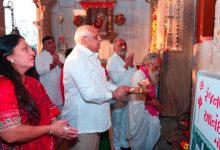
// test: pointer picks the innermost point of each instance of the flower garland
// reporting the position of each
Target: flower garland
(154, 30)
(120, 19)
(78, 20)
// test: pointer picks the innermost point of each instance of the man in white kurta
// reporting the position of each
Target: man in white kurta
(48, 64)
(120, 70)
(87, 92)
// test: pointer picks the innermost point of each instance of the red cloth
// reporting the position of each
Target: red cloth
(61, 85)
(151, 109)
(86, 5)
(10, 113)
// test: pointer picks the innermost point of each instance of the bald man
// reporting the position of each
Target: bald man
(87, 92)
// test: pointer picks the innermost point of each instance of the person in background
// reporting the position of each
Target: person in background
(48, 64)
(120, 69)
(67, 52)
(27, 115)
(143, 110)
(87, 92)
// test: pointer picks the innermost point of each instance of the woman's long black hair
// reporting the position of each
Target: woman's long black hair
(25, 101)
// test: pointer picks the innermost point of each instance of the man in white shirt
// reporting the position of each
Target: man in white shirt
(87, 92)
(48, 64)
(120, 70)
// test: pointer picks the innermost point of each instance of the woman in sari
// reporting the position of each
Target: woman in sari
(27, 115)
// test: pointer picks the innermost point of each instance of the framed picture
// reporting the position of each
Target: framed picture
(102, 18)
(98, 17)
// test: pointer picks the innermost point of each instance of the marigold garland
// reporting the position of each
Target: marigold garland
(153, 30)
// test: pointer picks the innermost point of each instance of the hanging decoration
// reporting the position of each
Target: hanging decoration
(120, 19)
(154, 30)
(14, 27)
(60, 18)
(78, 20)
(62, 44)
(170, 25)
(61, 38)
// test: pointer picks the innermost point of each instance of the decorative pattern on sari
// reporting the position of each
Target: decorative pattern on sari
(151, 109)
(9, 119)
(10, 116)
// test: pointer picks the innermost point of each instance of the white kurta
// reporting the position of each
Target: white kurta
(143, 128)
(87, 92)
(49, 78)
(119, 76)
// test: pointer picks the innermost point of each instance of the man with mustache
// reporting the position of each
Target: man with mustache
(120, 70)
(143, 110)
(48, 64)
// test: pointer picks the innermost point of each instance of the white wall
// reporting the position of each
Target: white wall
(136, 30)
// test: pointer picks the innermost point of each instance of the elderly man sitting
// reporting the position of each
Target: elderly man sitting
(143, 110)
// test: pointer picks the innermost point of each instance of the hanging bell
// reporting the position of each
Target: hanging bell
(15, 31)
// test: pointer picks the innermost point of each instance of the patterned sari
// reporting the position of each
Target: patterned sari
(11, 115)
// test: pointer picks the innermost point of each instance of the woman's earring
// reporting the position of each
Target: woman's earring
(12, 61)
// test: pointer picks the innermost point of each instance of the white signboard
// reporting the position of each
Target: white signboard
(205, 133)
